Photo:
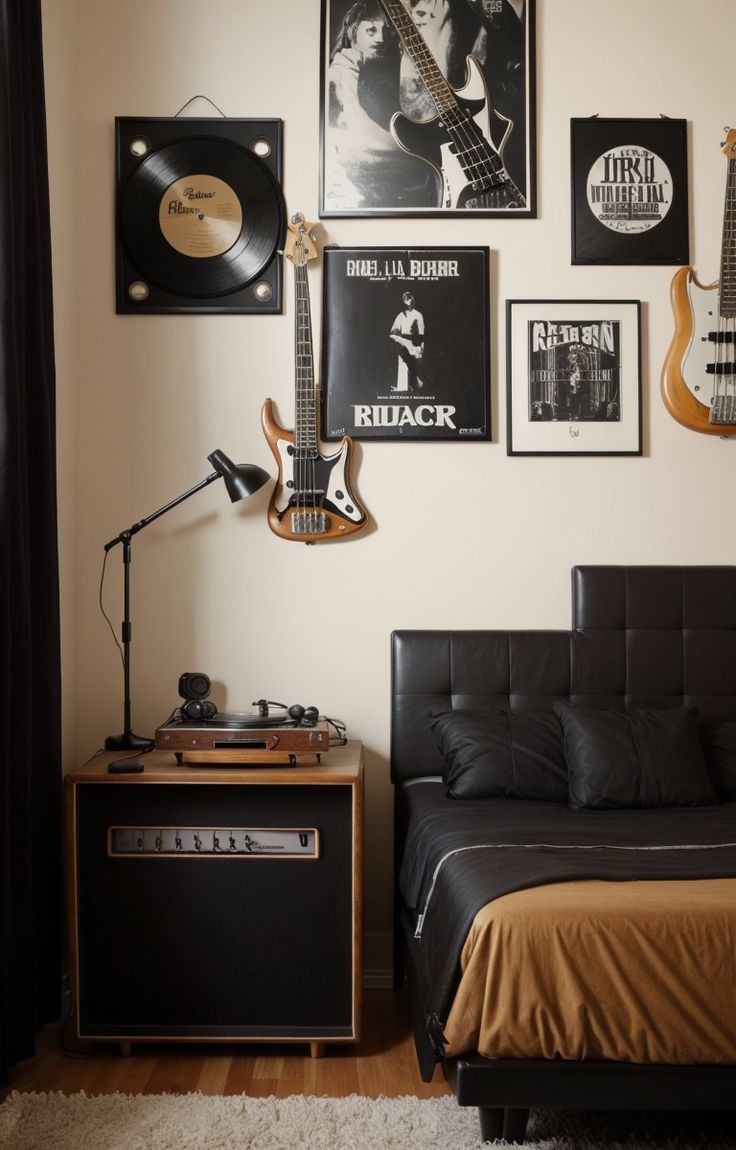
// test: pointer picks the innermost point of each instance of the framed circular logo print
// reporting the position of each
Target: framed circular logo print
(629, 186)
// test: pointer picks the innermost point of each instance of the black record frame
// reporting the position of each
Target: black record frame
(629, 191)
(200, 215)
(425, 117)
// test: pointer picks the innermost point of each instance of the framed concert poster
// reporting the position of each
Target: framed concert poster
(573, 377)
(629, 191)
(427, 108)
(405, 343)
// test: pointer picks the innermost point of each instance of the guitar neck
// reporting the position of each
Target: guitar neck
(429, 71)
(728, 247)
(305, 422)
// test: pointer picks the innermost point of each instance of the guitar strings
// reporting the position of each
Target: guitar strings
(471, 147)
(727, 278)
(304, 455)
(724, 367)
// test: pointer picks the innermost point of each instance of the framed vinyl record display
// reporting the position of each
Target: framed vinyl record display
(200, 215)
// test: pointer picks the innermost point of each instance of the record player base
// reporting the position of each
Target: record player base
(208, 943)
(257, 758)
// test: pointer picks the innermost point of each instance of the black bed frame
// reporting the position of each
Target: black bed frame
(642, 636)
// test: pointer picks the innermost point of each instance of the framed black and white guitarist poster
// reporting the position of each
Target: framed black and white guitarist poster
(405, 343)
(629, 191)
(573, 377)
(427, 108)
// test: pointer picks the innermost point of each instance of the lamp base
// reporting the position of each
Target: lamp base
(128, 742)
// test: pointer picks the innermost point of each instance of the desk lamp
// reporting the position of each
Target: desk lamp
(241, 480)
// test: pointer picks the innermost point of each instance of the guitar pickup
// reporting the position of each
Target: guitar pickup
(309, 523)
(720, 368)
(721, 336)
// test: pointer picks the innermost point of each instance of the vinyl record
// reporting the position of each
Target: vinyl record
(243, 720)
(201, 217)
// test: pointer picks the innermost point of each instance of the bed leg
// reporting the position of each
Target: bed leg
(498, 1123)
(491, 1123)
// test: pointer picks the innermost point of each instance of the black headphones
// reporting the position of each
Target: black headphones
(301, 716)
(194, 687)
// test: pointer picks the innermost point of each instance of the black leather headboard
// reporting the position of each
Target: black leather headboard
(642, 636)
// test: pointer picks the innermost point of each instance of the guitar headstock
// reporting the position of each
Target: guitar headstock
(729, 148)
(300, 246)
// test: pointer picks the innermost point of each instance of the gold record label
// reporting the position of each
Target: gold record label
(200, 216)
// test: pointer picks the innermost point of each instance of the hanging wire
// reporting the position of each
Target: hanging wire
(193, 98)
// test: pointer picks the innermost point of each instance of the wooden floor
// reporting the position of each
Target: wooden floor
(384, 1062)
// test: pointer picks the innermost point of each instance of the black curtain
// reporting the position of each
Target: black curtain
(30, 767)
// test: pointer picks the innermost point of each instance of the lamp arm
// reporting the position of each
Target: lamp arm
(126, 536)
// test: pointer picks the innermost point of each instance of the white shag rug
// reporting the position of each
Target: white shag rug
(202, 1122)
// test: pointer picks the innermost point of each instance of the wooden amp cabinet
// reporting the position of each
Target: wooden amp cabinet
(212, 903)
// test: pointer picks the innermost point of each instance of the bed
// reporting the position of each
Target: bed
(565, 846)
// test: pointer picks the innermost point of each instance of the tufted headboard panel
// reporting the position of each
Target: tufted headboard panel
(642, 636)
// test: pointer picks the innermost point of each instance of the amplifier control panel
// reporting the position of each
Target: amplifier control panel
(229, 842)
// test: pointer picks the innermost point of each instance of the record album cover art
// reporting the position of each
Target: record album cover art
(629, 191)
(405, 343)
(573, 377)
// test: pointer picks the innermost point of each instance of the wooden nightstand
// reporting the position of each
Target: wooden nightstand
(212, 903)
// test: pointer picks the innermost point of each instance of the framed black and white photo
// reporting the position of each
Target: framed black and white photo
(427, 108)
(573, 377)
(629, 191)
(405, 343)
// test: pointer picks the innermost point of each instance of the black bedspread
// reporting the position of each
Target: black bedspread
(461, 854)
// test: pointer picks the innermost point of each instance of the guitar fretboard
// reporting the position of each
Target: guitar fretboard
(477, 156)
(442, 94)
(305, 423)
(728, 247)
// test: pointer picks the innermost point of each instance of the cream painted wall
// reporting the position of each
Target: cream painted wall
(462, 536)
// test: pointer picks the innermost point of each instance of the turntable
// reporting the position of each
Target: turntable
(241, 738)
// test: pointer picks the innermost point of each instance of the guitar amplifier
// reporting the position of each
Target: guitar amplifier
(216, 904)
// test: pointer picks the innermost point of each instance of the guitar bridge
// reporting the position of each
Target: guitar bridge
(723, 409)
(310, 522)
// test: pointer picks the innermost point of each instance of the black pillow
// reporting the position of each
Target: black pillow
(627, 759)
(501, 754)
(718, 740)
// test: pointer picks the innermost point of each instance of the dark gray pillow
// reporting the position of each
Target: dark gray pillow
(718, 740)
(627, 759)
(501, 754)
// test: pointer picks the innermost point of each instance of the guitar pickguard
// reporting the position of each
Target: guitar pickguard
(329, 491)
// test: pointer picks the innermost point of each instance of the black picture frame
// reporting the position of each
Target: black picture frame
(371, 98)
(375, 385)
(573, 377)
(629, 191)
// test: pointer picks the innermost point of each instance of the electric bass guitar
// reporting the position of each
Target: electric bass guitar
(457, 142)
(699, 374)
(312, 500)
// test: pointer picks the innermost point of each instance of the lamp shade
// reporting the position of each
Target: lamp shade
(241, 479)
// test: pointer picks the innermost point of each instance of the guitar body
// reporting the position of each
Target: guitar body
(312, 501)
(699, 373)
(430, 141)
(687, 386)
